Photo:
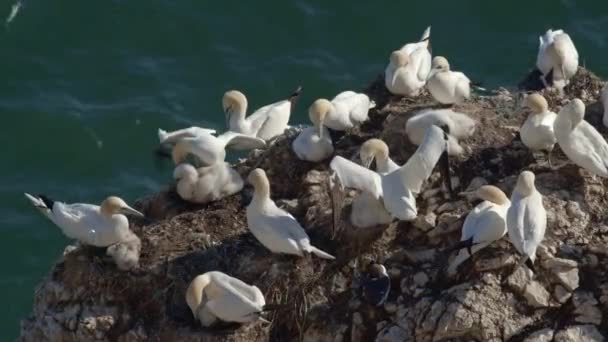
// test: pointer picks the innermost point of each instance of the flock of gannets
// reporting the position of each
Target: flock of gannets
(385, 194)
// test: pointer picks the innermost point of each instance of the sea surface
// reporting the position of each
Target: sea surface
(84, 85)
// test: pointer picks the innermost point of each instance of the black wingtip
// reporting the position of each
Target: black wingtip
(549, 77)
(468, 244)
(530, 265)
(444, 170)
(46, 200)
(295, 94)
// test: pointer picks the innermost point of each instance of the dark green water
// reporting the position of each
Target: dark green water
(85, 84)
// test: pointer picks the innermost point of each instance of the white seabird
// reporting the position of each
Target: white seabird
(265, 123)
(526, 217)
(537, 131)
(314, 143)
(605, 104)
(208, 183)
(461, 126)
(447, 86)
(409, 67)
(99, 226)
(557, 58)
(209, 149)
(486, 223)
(395, 190)
(579, 140)
(275, 228)
(215, 296)
(346, 110)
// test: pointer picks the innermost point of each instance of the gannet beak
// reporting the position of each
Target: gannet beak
(227, 112)
(126, 210)
(320, 130)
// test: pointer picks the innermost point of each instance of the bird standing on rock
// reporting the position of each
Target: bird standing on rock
(461, 126)
(275, 228)
(347, 110)
(526, 217)
(537, 131)
(580, 141)
(93, 225)
(557, 59)
(314, 143)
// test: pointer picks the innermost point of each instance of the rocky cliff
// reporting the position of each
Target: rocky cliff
(85, 297)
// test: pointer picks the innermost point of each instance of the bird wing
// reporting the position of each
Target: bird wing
(240, 141)
(421, 61)
(355, 176)
(252, 293)
(232, 306)
(266, 114)
(516, 223)
(420, 165)
(78, 220)
(172, 137)
(490, 226)
(592, 148)
(535, 223)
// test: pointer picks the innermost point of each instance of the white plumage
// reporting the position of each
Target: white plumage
(485, 224)
(537, 131)
(346, 110)
(265, 123)
(207, 184)
(579, 140)
(447, 86)
(460, 126)
(557, 54)
(209, 149)
(409, 67)
(275, 228)
(526, 217)
(314, 143)
(90, 224)
(395, 189)
(215, 296)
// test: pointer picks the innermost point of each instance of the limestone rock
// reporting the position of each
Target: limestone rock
(536, 294)
(544, 335)
(579, 333)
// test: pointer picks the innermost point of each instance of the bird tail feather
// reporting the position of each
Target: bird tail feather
(426, 35)
(40, 201)
(294, 96)
(321, 254)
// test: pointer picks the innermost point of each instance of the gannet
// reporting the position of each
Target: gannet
(537, 131)
(446, 86)
(90, 224)
(215, 296)
(409, 67)
(265, 123)
(605, 104)
(461, 127)
(395, 189)
(526, 217)
(579, 140)
(275, 228)
(486, 223)
(126, 253)
(376, 284)
(346, 110)
(557, 56)
(377, 150)
(314, 143)
(208, 148)
(208, 183)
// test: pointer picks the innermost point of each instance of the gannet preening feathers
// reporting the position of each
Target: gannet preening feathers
(265, 123)
(90, 224)
(346, 110)
(447, 86)
(486, 223)
(409, 67)
(557, 56)
(526, 217)
(396, 189)
(605, 104)
(275, 228)
(314, 143)
(537, 131)
(579, 140)
(460, 125)
(208, 183)
(209, 149)
(215, 296)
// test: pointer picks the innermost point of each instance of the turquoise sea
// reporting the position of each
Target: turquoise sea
(85, 84)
